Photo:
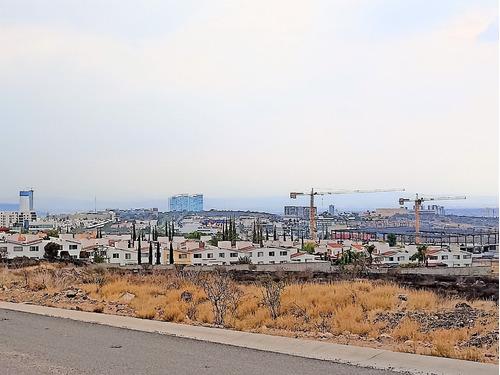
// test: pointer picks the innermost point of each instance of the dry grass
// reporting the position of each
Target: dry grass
(346, 311)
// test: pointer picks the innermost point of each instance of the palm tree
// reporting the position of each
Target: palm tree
(370, 249)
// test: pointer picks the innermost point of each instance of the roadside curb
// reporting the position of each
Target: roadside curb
(352, 355)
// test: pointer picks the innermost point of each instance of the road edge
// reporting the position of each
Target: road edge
(351, 355)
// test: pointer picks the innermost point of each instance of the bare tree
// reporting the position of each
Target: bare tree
(271, 296)
(222, 292)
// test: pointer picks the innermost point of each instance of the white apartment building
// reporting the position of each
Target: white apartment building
(12, 218)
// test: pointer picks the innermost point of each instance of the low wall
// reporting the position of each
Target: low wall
(482, 270)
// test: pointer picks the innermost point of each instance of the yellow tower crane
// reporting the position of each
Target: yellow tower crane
(294, 195)
(418, 202)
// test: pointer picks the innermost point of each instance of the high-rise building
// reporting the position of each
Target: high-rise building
(196, 202)
(26, 200)
(331, 209)
(186, 202)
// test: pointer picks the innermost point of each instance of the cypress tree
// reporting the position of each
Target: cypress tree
(235, 235)
(275, 235)
(284, 235)
(267, 235)
(172, 230)
(158, 253)
(254, 234)
(139, 255)
(291, 234)
(171, 253)
(150, 253)
(133, 232)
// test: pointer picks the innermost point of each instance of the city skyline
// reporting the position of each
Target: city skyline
(134, 102)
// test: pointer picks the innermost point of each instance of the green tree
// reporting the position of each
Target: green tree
(158, 255)
(214, 241)
(309, 247)
(193, 235)
(97, 257)
(391, 238)
(150, 253)
(51, 233)
(244, 260)
(171, 253)
(420, 255)
(51, 250)
(139, 254)
(369, 250)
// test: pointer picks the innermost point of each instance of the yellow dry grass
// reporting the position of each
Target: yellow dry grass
(341, 309)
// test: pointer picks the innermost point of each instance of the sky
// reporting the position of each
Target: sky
(140, 100)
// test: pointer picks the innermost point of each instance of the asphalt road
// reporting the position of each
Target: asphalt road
(35, 344)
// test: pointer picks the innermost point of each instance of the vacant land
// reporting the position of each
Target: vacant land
(356, 312)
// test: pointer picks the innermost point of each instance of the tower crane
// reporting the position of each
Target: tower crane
(294, 195)
(418, 202)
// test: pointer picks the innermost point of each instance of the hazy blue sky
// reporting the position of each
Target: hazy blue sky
(129, 100)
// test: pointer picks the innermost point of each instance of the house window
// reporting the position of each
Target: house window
(467, 256)
(271, 253)
(233, 255)
(222, 255)
(196, 256)
(283, 253)
(116, 255)
(444, 257)
(456, 256)
(73, 247)
(391, 259)
(401, 258)
(210, 255)
(260, 254)
(128, 256)
(18, 248)
(33, 248)
(144, 255)
(183, 256)
(272, 262)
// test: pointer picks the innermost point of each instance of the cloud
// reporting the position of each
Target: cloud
(256, 98)
(490, 34)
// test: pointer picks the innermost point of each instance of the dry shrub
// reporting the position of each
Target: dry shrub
(407, 329)
(422, 300)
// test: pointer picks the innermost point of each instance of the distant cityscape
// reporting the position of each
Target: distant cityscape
(221, 237)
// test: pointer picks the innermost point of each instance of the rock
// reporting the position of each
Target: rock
(385, 338)
(186, 296)
(71, 293)
(462, 306)
(127, 297)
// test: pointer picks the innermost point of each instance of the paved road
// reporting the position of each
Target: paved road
(35, 344)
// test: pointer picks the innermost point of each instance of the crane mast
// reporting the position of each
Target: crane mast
(293, 195)
(418, 202)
